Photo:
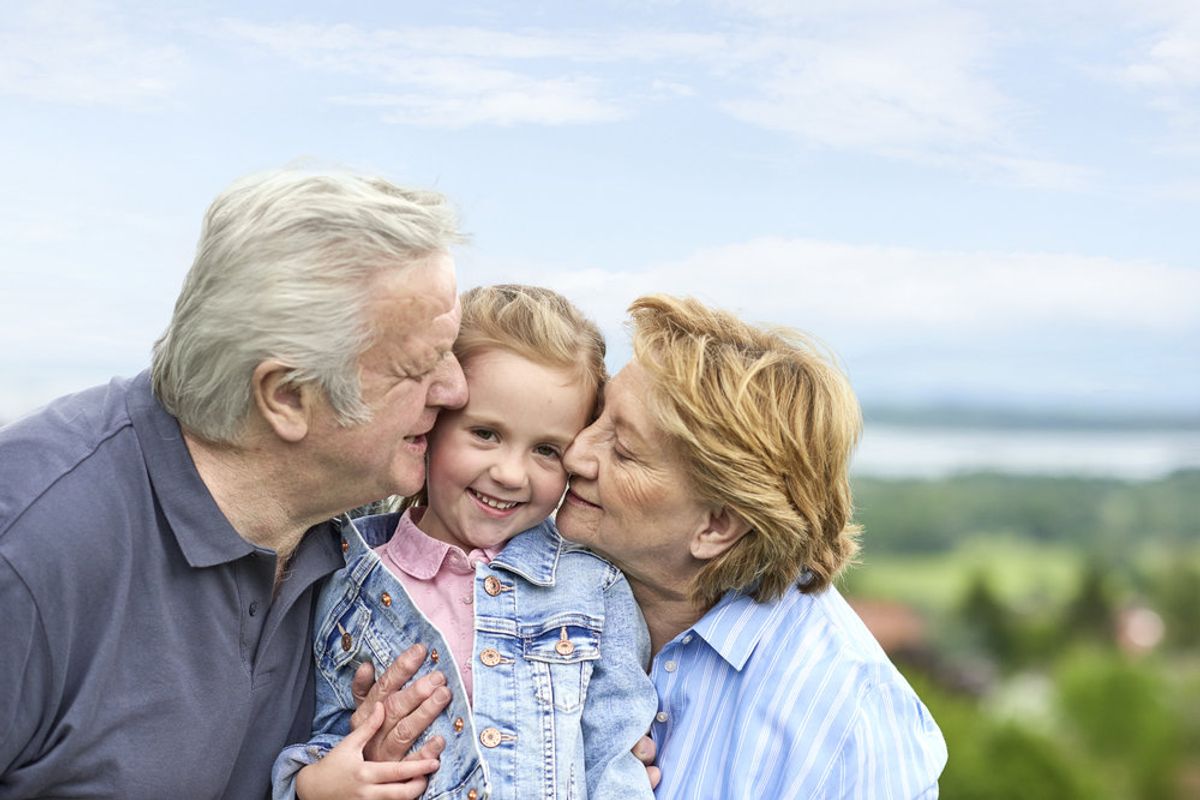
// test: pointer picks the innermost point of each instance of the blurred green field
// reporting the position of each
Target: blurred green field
(1021, 573)
(1025, 586)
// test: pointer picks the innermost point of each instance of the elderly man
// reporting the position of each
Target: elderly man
(162, 537)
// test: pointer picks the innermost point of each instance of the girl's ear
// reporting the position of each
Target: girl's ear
(284, 405)
(722, 530)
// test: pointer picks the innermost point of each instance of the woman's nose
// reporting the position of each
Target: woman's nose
(580, 457)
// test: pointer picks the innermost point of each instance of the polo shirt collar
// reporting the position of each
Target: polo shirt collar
(735, 625)
(203, 532)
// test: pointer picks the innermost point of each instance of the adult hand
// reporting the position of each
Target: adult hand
(645, 750)
(408, 710)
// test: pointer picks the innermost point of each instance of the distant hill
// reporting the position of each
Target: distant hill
(956, 416)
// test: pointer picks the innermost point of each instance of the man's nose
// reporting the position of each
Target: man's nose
(449, 387)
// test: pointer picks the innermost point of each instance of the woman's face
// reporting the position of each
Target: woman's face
(629, 498)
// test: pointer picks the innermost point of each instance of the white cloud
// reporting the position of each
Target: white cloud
(861, 293)
(909, 83)
(84, 54)
(512, 101)
(1169, 57)
(449, 77)
(913, 82)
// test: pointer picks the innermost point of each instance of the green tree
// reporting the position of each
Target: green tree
(1123, 713)
(988, 620)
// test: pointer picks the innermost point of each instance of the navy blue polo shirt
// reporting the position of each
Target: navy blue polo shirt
(142, 653)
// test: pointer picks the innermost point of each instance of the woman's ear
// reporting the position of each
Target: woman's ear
(722, 531)
(284, 405)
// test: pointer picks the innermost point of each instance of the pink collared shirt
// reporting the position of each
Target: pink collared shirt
(440, 579)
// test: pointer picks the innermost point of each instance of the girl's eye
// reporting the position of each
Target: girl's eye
(486, 434)
(546, 451)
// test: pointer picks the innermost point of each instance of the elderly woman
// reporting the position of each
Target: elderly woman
(716, 478)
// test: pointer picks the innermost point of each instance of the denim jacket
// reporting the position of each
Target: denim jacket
(561, 693)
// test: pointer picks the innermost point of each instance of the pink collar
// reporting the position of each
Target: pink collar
(423, 557)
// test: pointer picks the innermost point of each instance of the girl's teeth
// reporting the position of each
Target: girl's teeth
(499, 505)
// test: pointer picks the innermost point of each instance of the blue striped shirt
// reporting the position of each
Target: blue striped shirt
(789, 699)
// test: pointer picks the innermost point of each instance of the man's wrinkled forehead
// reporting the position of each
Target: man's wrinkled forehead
(425, 310)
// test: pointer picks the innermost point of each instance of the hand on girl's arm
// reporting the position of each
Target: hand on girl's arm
(344, 772)
(409, 709)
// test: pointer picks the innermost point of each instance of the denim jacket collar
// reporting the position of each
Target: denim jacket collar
(534, 558)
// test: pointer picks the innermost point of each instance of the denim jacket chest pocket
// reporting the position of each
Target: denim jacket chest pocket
(353, 634)
(561, 655)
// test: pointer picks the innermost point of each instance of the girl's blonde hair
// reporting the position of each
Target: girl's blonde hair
(535, 323)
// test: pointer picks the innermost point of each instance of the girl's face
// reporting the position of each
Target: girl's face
(495, 465)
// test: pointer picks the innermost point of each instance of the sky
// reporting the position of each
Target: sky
(990, 203)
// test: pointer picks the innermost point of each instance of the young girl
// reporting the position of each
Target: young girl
(541, 641)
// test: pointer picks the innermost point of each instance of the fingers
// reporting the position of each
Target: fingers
(358, 738)
(431, 749)
(364, 679)
(396, 771)
(645, 750)
(414, 708)
(394, 677)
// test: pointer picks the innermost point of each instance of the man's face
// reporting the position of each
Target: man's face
(407, 375)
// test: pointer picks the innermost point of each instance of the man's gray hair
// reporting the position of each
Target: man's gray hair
(284, 269)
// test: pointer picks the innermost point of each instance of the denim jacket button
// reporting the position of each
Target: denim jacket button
(386, 599)
(489, 737)
(345, 546)
(490, 657)
(564, 647)
(491, 585)
(472, 795)
(458, 724)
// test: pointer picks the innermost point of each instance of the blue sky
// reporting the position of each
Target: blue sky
(970, 202)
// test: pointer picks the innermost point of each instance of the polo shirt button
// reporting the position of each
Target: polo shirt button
(661, 716)
(670, 666)
(491, 585)
(490, 657)
(458, 724)
(386, 599)
(489, 737)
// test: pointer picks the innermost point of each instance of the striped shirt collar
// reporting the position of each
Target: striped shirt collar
(734, 626)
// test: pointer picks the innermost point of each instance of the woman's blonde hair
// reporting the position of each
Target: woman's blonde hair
(765, 424)
(535, 323)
